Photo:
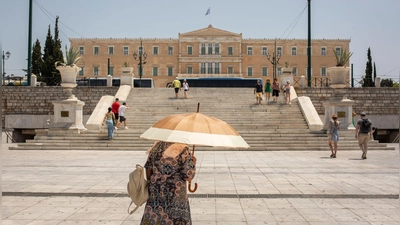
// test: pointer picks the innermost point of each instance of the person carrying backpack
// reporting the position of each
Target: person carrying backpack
(363, 133)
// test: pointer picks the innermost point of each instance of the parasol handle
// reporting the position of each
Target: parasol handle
(190, 187)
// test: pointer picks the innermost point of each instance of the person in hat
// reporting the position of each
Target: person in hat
(363, 133)
(177, 85)
(268, 90)
(333, 135)
(185, 86)
(287, 92)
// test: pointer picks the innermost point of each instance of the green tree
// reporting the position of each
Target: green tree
(37, 61)
(367, 80)
(57, 52)
(387, 83)
(48, 60)
(374, 73)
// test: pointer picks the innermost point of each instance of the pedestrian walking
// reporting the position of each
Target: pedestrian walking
(115, 107)
(109, 119)
(275, 90)
(287, 92)
(185, 86)
(258, 91)
(177, 85)
(121, 113)
(268, 90)
(333, 135)
(363, 133)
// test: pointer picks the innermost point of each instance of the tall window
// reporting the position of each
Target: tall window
(189, 70)
(265, 71)
(170, 50)
(155, 71)
(82, 71)
(216, 68)
(279, 71)
(126, 50)
(217, 48)
(190, 50)
(203, 48)
(81, 50)
(323, 71)
(96, 70)
(203, 68)
(210, 48)
(323, 50)
(230, 70)
(111, 50)
(294, 50)
(95, 50)
(155, 50)
(249, 50)
(111, 71)
(294, 71)
(279, 50)
(170, 71)
(249, 71)
(209, 68)
(337, 51)
(264, 50)
(230, 50)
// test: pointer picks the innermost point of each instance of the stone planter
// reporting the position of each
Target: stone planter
(338, 76)
(68, 75)
(128, 70)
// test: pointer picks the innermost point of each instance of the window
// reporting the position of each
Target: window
(126, 50)
(203, 48)
(111, 50)
(210, 68)
(190, 50)
(294, 50)
(337, 51)
(323, 50)
(217, 48)
(81, 50)
(170, 71)
(230, 70)
(96, 70)
(82, 71)
(249, 71)
(140, 49)
(279, 71)
(155, 50)
(203, 68)
(265, 71)
(264, 50)
(323, 71)
(111, 71)
(249, 50)
(210, 48)
(230, 50)
(155, 71)
(189, 70)
(279, 50)
(170, 50)
(95, 50)
(294, 71)
(216, 68)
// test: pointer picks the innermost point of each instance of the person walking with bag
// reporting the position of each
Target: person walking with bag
(109, 119)
(333, 135)
(363, 133)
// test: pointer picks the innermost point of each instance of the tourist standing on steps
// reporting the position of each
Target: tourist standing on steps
(258, 91)
(287, 92)
(109, 119)
(268, 90)
(115, 107)
(275, 90)
(177, 85)
(333, 135)
(363, 133)
(185, 86)
(121, 114)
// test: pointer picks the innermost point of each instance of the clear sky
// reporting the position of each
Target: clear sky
(368, 23)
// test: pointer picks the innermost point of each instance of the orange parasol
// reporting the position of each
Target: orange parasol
(195, 129)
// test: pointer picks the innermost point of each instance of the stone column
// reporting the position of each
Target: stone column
(302, 81)
(33, 80)
(343, 108)
(109, 81)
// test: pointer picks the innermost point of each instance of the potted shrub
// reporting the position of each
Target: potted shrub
(68, 68)
(339, 72)
(126, 68)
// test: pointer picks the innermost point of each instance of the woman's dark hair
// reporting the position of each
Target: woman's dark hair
(109, 109)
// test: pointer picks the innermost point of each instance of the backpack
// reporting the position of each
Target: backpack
(365, 126)
(137, 188)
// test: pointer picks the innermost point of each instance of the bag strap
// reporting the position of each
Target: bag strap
(133, 209)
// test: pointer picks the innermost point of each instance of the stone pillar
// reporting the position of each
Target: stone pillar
(127, 77)
(343, 108)
(109, 81)
(33, 80)
(378, 82)
(302, 81)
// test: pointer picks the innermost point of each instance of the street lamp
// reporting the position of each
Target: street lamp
(274, 60)
(141, 57)
(5, 57)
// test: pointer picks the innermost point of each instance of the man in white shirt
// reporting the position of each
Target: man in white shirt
(121, 113)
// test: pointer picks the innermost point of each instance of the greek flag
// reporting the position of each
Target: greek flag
(208, 11)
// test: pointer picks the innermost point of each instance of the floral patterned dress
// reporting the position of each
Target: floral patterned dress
(168, 202)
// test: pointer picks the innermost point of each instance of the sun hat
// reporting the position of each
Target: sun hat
(288, 81)
(334, 116)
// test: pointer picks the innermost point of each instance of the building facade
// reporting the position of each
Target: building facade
(208, 52)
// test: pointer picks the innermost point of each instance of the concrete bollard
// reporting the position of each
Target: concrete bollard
(378, 82)
(33, 80)
(302, 81)
(109, 81)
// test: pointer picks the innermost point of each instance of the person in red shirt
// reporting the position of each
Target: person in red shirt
(115, 106)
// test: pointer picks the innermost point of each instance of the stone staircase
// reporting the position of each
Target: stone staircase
(266, 127)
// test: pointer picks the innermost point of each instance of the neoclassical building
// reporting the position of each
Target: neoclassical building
(208, 52)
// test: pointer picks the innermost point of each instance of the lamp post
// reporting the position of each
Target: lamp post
(5, 57)
(141, 57)
(274, 60)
